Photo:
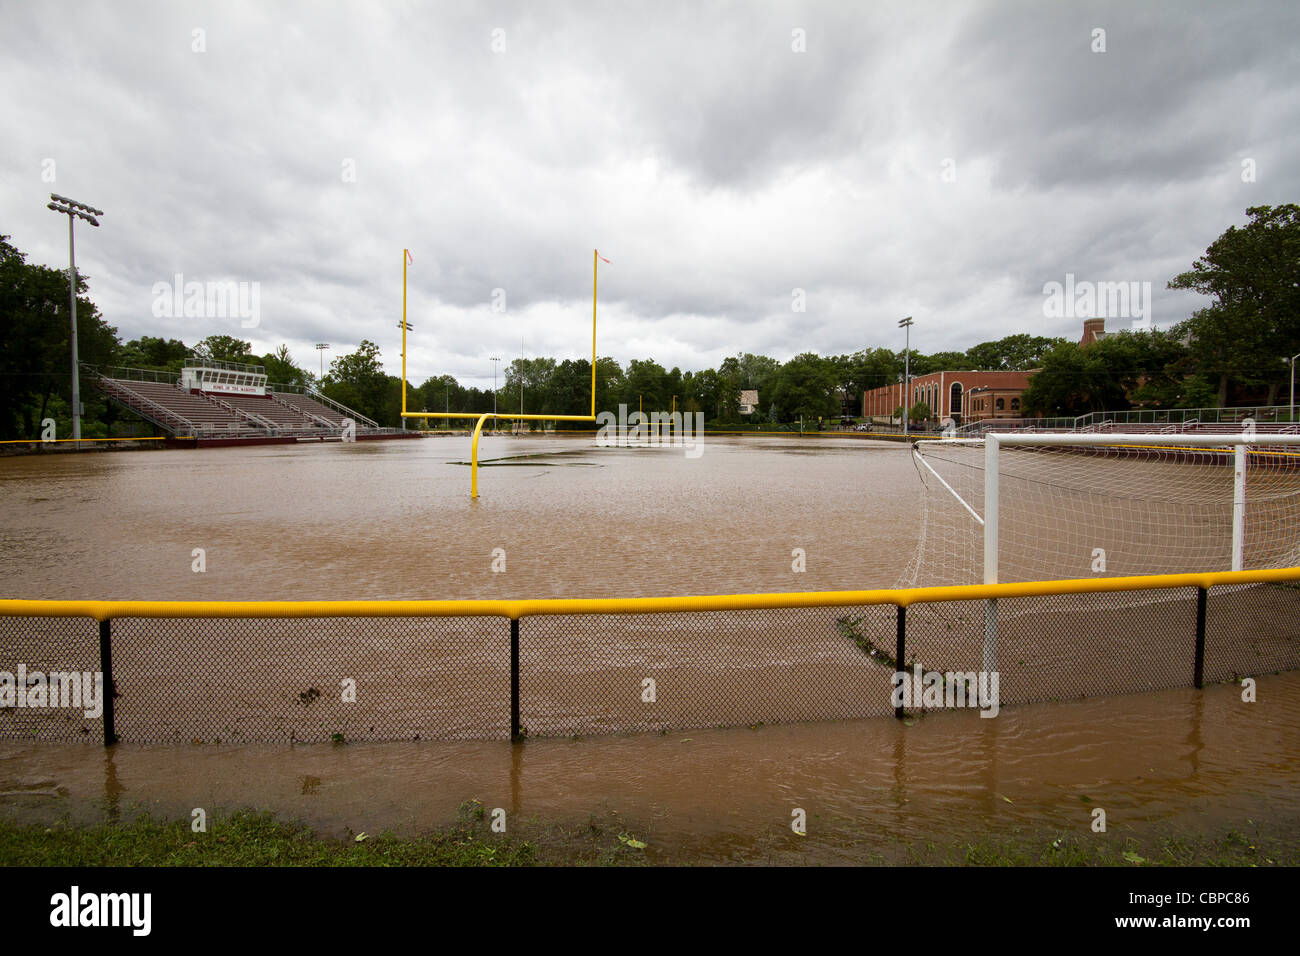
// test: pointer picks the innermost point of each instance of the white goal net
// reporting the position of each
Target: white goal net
(1081, 506)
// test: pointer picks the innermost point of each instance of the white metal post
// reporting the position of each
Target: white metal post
(991, 509)
(990, 551)
(1291, 417)
(907, 377)
(1238, 506)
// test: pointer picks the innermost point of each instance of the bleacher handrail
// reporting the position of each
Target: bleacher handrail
(318, 419)
(161, 415)
(324, 400)
(244, 413)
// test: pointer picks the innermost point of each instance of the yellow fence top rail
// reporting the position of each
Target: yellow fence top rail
(901, 597)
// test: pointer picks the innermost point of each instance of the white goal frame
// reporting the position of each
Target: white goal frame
(993, 442)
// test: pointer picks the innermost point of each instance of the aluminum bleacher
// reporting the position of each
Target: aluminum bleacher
(209, 415)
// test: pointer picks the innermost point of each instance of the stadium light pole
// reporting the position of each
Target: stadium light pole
(906, 325)
(496, 360)
(74, 210)
(320, 349)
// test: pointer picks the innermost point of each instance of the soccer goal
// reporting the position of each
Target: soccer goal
(1024, 507)
(1031, 507)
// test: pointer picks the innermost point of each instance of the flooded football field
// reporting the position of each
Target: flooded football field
(558, 517)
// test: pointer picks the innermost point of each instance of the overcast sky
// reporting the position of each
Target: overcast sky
(939, 160)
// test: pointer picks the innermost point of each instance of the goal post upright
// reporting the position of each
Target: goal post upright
(991, 510)
(990, 663)
(405, 253)
(1238, 505)
(481, 417)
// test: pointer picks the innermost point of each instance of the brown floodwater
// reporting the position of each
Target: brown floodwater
(394, 520)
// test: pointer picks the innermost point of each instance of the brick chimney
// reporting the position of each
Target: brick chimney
(1093, 329)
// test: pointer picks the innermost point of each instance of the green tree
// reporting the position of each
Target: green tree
(282, 369)
(151, 352)
(609, 384)
(441, 393)
(225, 348)
(358, 381)
(937, 362)
(1075, 380)
(1014, 353)
(534, 376)
(36, 348)
(646, 384)
(807, 386)
(1254, 319)
(705, 391)
(757, 371)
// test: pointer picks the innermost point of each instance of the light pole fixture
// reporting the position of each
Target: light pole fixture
(74, 210)
(906, 324)
(321, 347)
(497, 361)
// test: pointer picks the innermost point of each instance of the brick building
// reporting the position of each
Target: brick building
(963, 396)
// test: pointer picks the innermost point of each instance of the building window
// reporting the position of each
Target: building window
(1015, 404)
(1001, 404)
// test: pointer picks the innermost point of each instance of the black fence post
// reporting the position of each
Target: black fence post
(900, 649)
(515, 729)
(1198, 674)
(106, 671)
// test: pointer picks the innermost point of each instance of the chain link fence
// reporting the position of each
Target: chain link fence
(214, 679)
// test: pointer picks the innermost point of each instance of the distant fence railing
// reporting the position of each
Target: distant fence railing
(1172, 420)
(227, 366)
(135, 374)
(237, 672)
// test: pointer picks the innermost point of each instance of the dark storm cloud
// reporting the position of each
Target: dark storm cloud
(1175, 92)
(942, 160)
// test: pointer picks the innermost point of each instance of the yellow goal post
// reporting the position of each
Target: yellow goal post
(508, 416)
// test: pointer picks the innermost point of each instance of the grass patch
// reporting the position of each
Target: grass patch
(249, 838)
